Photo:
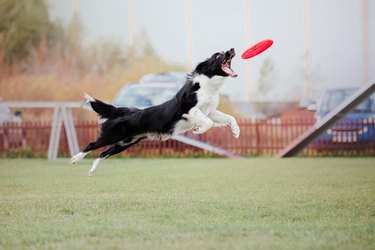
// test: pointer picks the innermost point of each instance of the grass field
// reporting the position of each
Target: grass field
(302, 203)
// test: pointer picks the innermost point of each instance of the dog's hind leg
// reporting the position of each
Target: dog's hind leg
(91, 146)
(95, 165)
(115, 149)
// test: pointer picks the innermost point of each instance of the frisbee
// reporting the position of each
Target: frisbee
(257, 48)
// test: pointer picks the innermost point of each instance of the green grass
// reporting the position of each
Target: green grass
(303, 203)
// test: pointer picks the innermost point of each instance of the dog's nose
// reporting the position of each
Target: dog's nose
(232, 52)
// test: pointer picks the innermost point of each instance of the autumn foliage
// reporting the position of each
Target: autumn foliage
(44, 60)
(41, 60)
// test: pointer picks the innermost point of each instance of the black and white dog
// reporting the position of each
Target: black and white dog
(193, 107)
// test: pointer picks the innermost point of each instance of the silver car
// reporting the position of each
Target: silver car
(148, 92)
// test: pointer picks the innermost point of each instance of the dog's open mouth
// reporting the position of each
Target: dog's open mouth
(226, 64)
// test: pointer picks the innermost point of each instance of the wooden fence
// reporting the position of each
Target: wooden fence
(265, 137)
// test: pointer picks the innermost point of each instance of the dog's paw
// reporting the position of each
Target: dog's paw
(76, 158)
(95, 165)
(198, 130)
(91, 172)
(235, 131)
(72, 161)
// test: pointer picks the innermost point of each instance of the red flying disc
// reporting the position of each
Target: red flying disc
(257, 48)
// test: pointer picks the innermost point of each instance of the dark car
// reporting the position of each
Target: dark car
(355, 126)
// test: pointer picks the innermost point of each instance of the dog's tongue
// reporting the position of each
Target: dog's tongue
(227, 69)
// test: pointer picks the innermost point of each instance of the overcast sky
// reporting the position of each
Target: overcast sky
(335, 37)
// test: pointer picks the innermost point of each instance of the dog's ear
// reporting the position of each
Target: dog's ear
(201, 67)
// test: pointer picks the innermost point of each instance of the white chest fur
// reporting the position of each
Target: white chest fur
(208, 93)
(208, 100)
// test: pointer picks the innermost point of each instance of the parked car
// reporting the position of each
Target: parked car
(143, 95)
(164, 77)
(355, 126)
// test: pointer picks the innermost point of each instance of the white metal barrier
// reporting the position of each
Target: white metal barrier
(62, 115)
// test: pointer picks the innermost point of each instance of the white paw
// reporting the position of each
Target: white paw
(76, 158)
(95, 165)
(91, 172)
(73, 160)
(235, 131)
(198, 130)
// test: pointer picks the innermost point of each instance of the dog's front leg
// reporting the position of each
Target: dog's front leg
(221, 119)
(199, 120)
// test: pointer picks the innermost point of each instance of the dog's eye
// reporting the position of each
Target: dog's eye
(217, 56)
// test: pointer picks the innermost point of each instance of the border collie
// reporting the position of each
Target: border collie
(192, 108)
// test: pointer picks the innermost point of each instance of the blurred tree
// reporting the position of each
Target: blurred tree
(23, 24)
(74, 33)
(104, 55)
(267, 78)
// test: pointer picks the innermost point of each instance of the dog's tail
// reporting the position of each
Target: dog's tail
(105, 110)
(98, 106)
